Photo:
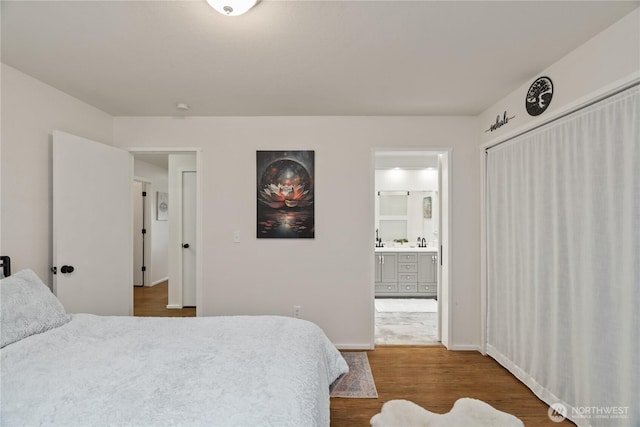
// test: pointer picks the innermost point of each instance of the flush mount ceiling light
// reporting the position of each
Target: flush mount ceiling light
(232, 7)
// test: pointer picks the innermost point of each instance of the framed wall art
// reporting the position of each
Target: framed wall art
(285, 194)
(162, 206)
(426, 207)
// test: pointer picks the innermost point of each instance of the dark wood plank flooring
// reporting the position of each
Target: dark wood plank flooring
(151, 301)
(435, 378)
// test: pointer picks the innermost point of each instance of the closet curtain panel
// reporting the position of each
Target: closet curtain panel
(563, 261)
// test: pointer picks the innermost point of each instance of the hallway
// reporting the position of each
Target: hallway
(151, 301)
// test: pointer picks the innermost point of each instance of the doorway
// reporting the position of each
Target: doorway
(173, 284)
(411, 230)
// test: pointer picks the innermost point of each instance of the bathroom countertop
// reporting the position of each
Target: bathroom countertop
(407, 248)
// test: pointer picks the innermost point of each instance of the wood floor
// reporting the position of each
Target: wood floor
(151, 301)
(435, 378)
(432, 377)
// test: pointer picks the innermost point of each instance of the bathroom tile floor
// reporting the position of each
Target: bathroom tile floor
(406, 328)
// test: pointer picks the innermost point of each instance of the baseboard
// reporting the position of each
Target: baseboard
(173, 306)
(157, 282)
(464, 347)
(354, 346)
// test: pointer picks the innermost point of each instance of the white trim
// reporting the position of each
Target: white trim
(157, 282)
(141, 179)
(181, 172)
(464, 347)
(147, 185)
(354, 346)
(595, 96)
(372, 244)
(164, 150)
(199, 246)
(448, 152)
(483, 254)
(449, 244)
(172, 306)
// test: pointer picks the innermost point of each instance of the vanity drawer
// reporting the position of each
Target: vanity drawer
(408, 278)
(407, 257)
(389, 287)
(408, 287)
(428, 288)
(407, 268)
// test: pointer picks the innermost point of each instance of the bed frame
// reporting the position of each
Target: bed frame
(5, 261)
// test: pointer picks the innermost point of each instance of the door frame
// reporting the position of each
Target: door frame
(148, 187)
(182, 171)
(445, 261)
(198, 154)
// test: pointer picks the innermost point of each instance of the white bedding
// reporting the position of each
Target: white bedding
(244, 371)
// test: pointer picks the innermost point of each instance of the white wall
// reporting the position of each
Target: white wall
(330, 276)
(159, 229)
(607, 58)
(31, 110)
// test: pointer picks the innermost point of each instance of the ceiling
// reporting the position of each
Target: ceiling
(289, 58)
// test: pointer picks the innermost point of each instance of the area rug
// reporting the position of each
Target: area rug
(465, 412)
(358, 382)
(404, 305)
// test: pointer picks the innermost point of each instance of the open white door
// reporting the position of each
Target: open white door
(92, 237)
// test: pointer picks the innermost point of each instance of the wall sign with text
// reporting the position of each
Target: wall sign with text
(500, 121)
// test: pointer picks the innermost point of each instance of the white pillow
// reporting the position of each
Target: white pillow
(28, 307)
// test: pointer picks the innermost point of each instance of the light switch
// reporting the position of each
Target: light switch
(236, 236)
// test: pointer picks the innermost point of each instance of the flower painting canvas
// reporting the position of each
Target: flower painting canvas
(285, 188)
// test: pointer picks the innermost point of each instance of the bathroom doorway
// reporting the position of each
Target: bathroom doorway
(411, 233)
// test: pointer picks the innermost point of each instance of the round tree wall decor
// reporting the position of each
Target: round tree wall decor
(539, 96)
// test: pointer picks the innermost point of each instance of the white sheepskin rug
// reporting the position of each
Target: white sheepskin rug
(466, 412)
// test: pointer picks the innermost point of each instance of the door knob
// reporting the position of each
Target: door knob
(66, 269)
(185, 245)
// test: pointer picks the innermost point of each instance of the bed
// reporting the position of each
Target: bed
(81, 369)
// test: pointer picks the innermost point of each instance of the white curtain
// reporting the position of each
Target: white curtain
(563, 260)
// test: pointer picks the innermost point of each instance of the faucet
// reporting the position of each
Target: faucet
(424, 243)
(379, 243)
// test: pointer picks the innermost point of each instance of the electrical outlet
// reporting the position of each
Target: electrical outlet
(296, 311)
(236, 237)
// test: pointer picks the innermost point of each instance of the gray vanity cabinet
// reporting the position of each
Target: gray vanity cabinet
(386, 272)
(406, 274)
(428, 274)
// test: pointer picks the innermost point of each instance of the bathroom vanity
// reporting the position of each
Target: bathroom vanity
(406, 272)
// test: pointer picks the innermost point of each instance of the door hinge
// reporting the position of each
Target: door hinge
(144, 231)
(144, 194)
(144, 268)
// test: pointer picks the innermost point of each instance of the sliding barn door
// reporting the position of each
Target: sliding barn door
(92, 216)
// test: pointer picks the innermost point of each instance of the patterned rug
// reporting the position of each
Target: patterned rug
(358, 382)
